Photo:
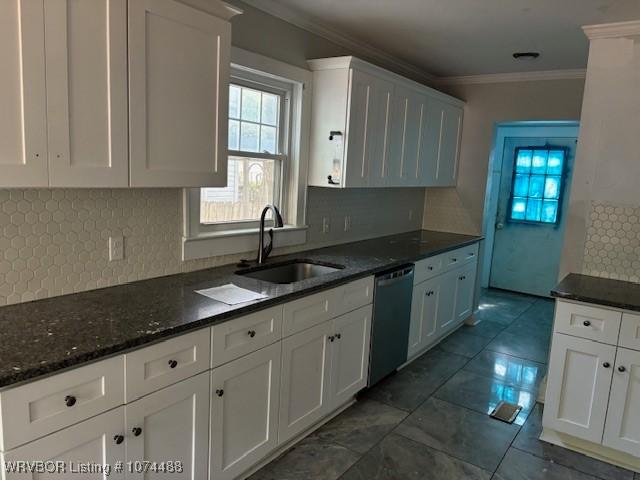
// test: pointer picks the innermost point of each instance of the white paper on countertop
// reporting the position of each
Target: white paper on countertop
(231, 294)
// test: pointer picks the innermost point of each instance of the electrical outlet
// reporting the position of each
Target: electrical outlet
(116, 248)
(347, 223)
(325, 225)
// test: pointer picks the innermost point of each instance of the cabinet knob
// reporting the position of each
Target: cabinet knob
(137, 431)
(70, 400)
(331, 338)
(606, 364)
(220, 392)
(462, 277)
(251, 333)
(173, 363)
(454, 259)
(118, 439)
(429, 267)
(622, 369)
(338, 336)
(586, 323)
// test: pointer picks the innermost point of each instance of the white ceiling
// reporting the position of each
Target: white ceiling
(468, 37)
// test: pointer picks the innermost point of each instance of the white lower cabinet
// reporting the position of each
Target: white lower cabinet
(465, 291)
(170, 425)
(424, 314)
(447, 318)
(244, 411)
(97, 441)
(622, 428)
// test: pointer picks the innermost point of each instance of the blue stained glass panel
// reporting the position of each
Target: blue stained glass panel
(523, 162)
(555, 162)
(552, 187)
(521, 186)
(536, 186)
(549, 211)
(534, 208)
(518, 208)
(539, 162)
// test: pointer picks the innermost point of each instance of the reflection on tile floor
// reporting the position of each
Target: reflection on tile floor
(429, 421)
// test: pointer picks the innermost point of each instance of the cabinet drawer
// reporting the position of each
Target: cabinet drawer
(353, 295)
(235, 338)
(308, 311)
(427, 268)
(460, 256)
(597, 324)
(630, 331)
(155, 367)
(39, 408)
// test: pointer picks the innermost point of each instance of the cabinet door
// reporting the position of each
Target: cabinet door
(178, 95)
(405, 143)
(449, 145)
(379, 133)
(304, 395)
(23, 123)
(97, 441)
(244, 412)
(446, 318)
(424, 314)
(622, 428)
(171, 425)
(350, 355)
(578, 387)
(86, 63)
(465, 292)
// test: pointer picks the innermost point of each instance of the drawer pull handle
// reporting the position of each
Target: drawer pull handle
(220, 392)
(454, 260)
(70, 400)
(586, 323)
(462, 277)
(622, 369)
(331, 338)
(338, 336)
(173, 363)
(430, 267)
(118, 439)
(606, 364)
(251, 333)
(137, 431)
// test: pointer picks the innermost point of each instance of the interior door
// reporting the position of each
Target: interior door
(530, 221)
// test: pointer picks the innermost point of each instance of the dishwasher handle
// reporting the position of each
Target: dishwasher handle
(394, 277)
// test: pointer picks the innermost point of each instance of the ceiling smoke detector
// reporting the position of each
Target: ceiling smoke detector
(526, 55)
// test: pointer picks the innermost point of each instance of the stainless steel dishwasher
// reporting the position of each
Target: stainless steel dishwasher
(391, 318)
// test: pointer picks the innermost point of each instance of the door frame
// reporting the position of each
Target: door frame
(503, 130)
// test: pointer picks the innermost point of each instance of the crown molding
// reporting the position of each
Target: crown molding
(574, 74)
(612, 30)
(357, 46)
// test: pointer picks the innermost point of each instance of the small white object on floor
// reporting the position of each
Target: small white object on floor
(231, 294)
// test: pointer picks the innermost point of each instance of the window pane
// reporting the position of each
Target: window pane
(270, 109)
(536, 186)
(518, 208)
(268, 139)
(556, 161)
(250, 186)
(234, 101)
(534, 208)
(250, 105)
(234, 134)
(539, 162)
(523, 162)
(549, 211)
(521, 186)
(552, 187)
(249, 137)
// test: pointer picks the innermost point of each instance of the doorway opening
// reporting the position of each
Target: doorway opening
(526, 200)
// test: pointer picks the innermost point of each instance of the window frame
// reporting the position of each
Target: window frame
(563, 179)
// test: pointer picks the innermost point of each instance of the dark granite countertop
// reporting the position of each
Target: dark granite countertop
(45, 336)
(602, 291)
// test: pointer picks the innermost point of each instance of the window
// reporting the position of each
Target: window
(537, 184)
(258, 118)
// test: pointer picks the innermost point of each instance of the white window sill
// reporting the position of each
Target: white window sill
(239, 241)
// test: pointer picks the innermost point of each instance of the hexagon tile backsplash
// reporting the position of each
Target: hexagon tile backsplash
(612, 246)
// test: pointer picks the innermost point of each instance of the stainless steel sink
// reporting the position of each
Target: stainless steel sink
(290, 272)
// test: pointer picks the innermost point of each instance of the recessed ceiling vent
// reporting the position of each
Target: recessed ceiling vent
(526, 55)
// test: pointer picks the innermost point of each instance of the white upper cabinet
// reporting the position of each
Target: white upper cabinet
(372, 128)
(87, 92)
(23, 123)
(178, 95)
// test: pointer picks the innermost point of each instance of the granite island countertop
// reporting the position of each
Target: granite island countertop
(601, 291)
(46, 336)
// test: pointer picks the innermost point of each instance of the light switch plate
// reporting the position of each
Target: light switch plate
(116, 248)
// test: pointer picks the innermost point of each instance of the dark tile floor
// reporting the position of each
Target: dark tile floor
(429, 421)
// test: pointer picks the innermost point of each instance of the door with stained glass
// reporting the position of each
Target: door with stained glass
(534, 190)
